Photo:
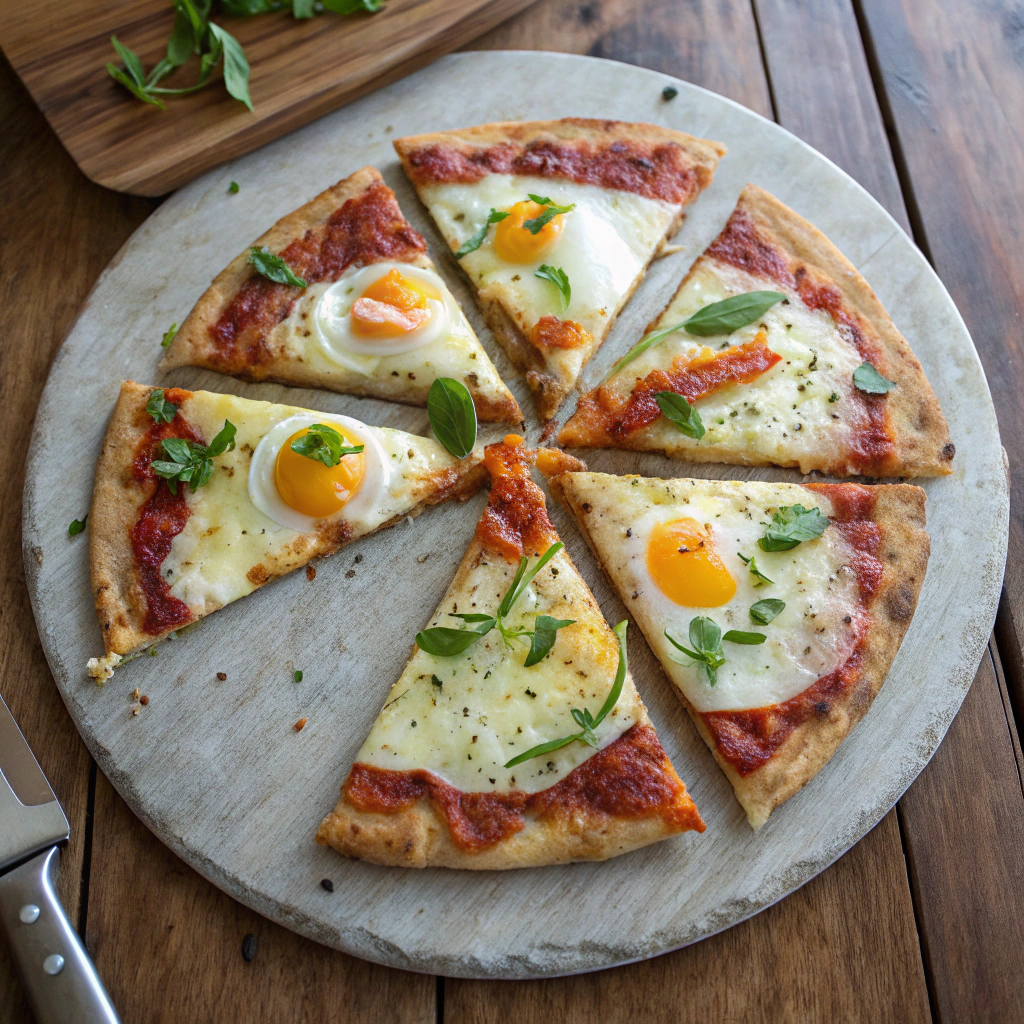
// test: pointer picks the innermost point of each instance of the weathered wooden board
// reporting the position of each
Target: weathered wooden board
(214, 768)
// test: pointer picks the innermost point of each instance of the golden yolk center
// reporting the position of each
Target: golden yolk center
(310, 487)
(393, 305)
(515, 243)
(684, 565)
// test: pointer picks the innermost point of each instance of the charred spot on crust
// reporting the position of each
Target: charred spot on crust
(948, 451)
(899, 602)
(257, 575)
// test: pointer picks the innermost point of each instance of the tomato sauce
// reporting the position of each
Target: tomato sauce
(366, 229)
(630, 778)
(748, 739)
(550, 332)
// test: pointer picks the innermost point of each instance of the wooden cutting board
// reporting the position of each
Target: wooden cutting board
(214, 766)
(300, 70)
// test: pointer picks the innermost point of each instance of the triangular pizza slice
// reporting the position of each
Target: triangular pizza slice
(201, 498)
(776, 609)
(554, 223)
(515, 736)
(774, 350)
(340, 294)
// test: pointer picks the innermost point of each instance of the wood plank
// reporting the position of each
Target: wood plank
(812, 957)
(59, 231)
(301, 69)
(169, 946)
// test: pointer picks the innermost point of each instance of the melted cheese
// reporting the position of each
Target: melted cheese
(488, 708)
(802, 407)
(227, 535)
(809, 639)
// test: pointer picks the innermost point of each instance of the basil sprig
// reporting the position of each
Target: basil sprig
(159, 408)
(706, 643)
(867, 379)
(587, 722)
(191, 463)
(751, 564)
(475, 241)
(452, 415)
(559, 278)
(169, 336)
(324, 444)
(446, 642)
(679, 411)
(535, 224)
(77, 525)
(792, 525)
(273, 268)
(764, 611)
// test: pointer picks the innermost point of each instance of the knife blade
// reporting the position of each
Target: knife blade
(62, 984)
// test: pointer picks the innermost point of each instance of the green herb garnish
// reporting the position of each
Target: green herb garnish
(324, 444)
(751, 564)
(680, 412)
(834, 397)
(558, 277)
(169, 336)
(298, 675)
(473, 243)
(233, 188)
(77, 526)
(545, 629)
(273, 268)
(159, 408)
(792, 525)
(867, 379)
(739, 636)
(191, 463)
(731, 314)
(670, 92)
(583, 718)
(535, 224)
(763, 612)
(706, 643)
(646, 342)
(452, 415)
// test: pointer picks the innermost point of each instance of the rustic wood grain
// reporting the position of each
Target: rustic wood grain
(300, 70)
(812, 957)
(169, 946)
(59, 232)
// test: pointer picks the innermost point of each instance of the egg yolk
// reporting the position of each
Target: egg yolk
(682, 561)
(515, 243)
(310, 487)
(392, 306)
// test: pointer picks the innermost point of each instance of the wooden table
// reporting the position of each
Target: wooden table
(921, 101)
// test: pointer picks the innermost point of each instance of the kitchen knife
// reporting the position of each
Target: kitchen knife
(62, 984)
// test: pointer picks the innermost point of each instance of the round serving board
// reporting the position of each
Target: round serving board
(215, 768)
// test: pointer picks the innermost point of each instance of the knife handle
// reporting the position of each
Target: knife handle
(59, 977)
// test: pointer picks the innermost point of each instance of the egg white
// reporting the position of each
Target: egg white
(263, 491)
(333, 321)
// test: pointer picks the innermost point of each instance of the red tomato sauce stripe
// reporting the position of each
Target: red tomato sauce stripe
(740, 245)
(749, 739)
(515, 522)
(365, 229)
(161, 518)
(654, 171)
(630, 778)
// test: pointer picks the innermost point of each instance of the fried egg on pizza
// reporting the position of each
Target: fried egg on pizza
(201, 498)
(774, 350)
(554, 223)
(776, 609)
(340, 294)
(515, 736)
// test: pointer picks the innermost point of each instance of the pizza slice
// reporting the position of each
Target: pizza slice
(515, 736)
(340, 294)
(774, 350)
(776, 609)
(201, 498)
(554, 223)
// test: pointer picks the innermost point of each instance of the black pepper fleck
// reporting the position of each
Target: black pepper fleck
(249, 948)
(327, 884)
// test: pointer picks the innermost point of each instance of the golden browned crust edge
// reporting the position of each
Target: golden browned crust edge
(115, 508)
(193, 346)
(899, 512)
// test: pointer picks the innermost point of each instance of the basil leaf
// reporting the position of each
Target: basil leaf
(685, 416)
(738, 636)
(751, 564)
(524, 577)
(131, 62)
(136, 90)
(452, 415)
(169, 336)
(352, 6)
(474, 243)
(181, 44)
(445, 642)
(706, 635)
(544, 632)
(178, 449)
(472, 617)
(535, 224)
(233, 188)
(303, 8)
(324, 444)
(646, 342)
(236, 67)
(77, 525)
(159, 408)
(192, 463)
(792, 525)
(731, 314)
(619, 629)
(765, 611)
(223, 442)
(558, 277)
(867, 379)
(273, 268)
